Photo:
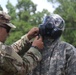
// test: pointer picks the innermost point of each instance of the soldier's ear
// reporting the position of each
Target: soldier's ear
(1, 30)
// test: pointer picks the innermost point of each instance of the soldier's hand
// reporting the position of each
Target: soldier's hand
(38, 43)
(33, 33)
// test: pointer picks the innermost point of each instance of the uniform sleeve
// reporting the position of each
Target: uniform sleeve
(13, 64)
(22, 45)
(70, 68)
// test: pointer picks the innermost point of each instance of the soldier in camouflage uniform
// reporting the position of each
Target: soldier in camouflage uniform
(59, 57)
(10, 61)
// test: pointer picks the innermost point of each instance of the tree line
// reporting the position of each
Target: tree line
(24, 17)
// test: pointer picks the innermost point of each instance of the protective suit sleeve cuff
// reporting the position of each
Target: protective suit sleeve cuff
(36, 53)
(25, 37)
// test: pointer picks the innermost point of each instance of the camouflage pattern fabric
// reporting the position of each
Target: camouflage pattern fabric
(5, 19)
(59, 58)
(12, 64)
(22, 45)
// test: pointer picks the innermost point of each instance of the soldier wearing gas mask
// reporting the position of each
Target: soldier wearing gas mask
(59, 57)
(52, 27)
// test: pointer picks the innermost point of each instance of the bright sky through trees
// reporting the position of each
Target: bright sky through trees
(41, 4)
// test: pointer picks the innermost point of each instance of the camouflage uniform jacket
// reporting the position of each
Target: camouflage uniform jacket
(12, 64)
(59, 58)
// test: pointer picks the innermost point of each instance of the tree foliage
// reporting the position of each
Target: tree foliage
(67, 10)
(24, 17)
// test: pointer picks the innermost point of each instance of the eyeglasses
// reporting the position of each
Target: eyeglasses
(6, 27)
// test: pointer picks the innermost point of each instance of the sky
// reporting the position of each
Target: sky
(41, 4)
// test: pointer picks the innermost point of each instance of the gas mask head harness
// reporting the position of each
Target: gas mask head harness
(52, 26)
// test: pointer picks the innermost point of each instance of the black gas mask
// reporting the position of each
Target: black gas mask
(52, 26)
